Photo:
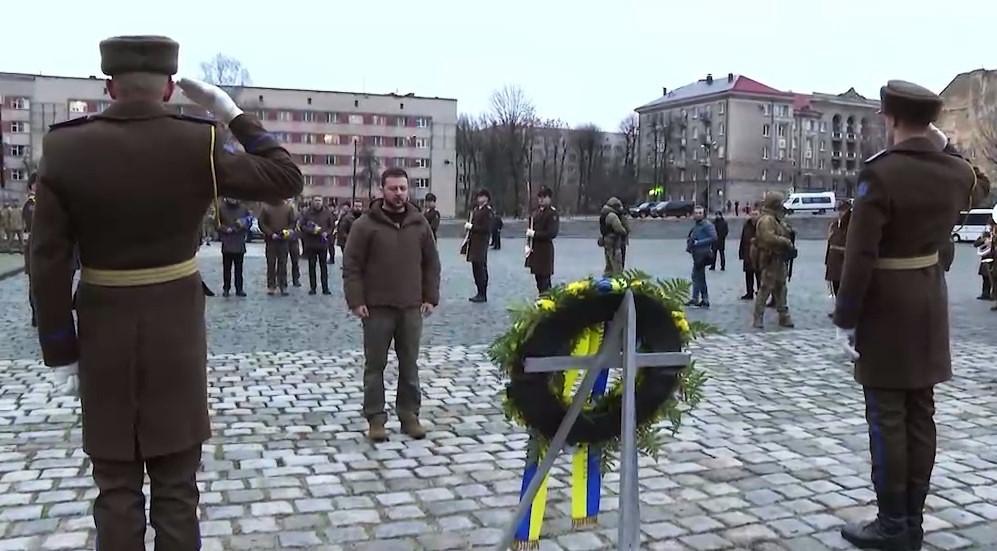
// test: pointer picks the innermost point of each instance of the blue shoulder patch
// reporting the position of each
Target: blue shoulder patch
(862, 190)
(71, 122)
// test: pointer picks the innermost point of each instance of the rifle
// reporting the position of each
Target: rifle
(792, 260)
(529, 240)
(467, 234)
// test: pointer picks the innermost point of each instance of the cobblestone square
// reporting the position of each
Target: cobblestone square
(774, 458)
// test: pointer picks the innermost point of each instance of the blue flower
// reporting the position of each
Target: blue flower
(604, 286)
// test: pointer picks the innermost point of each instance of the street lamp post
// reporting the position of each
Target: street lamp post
(354, 197)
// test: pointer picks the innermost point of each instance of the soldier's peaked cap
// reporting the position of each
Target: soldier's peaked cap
(139, 54)
(910, 102)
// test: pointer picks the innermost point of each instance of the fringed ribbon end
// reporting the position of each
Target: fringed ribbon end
(528, 545)
(586, 522)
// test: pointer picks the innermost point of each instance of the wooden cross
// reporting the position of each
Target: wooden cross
(617, 351)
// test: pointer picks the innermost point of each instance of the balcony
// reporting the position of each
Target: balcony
(835, 154)
(836, 135)
(851, 155)
(851, 136)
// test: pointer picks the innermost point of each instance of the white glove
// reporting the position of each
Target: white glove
(846, 338)
(937, 137)
(210, 97)
(530, 233)
(67, 378)
(468, 225)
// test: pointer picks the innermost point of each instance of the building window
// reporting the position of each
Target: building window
(400, 121)
(308, 116)
(330, 118)
(782, 154)
(421, 122)
(18, 150)
(401, 142)
(379, 120)
(421, 183)
(722, 129)
(781, 129)
(783, 110)
(261, 114)
(766, 108)
(810, 125)
(330, 160)
(375, 140)
(820, 164)
(422, 143)
(18, 127)
(778, 177)
(766, 130)
(720, 151)
(720, 173)
(681, 175)
(78, 107)
(307, 159)
(823, 126)
(695, 133)
(806, 162)
(284, 116)
(17, 175)
(765, 152)
(330, 139)
(765, 174)
(694, 176)
(308, 179)
(720, 107)
(356, 119)
(311, 138)
(19, 103)
(422, 163)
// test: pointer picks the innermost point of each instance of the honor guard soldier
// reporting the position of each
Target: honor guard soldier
(479, 230)
(892, 306)
(140, 351)
(541, 234)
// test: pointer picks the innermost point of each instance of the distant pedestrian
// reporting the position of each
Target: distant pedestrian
(614, 232)
(751, 280)
(737, 208)
(834, 256)
(432, 215)
(332, 241)
(720, 246)
(391, 279)
(729, 206)
(497, 231)
(234, 221)
(349, 215)
(316, 224)
(278, 224)
(28, 214)
(699, 244)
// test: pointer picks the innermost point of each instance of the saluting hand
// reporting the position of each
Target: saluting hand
(210, 97)
(67, 379)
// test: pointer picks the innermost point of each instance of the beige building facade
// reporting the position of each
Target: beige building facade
(327, 132)
(969, 117)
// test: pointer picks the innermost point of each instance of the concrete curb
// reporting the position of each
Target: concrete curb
(11, 273)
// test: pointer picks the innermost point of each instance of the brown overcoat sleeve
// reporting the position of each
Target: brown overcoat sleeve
(869, 215)
(264, 173)
(52, 267)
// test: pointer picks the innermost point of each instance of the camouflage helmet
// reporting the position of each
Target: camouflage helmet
(774, 200)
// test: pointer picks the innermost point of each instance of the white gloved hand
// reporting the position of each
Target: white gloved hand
(67, 378)
(468, 225)
(846, 338)
(210, 97)
(530, 233)
(937, 137)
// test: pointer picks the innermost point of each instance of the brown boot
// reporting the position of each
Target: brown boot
(412, 427)
(786, 321)
(376, 431)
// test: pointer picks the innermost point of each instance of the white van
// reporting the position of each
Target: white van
(969, 228)
(810, 202)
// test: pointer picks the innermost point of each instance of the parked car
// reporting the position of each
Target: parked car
(971, 225)
(680, 209)
(810, 202)
(642, 210)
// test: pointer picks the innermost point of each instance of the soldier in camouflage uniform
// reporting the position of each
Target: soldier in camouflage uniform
(771, 250)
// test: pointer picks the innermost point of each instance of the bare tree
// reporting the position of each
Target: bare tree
(469, 150)
(586, 141)
(228, 73)
(513, 116)
(630, 128)
(988, 135)
(370, 168)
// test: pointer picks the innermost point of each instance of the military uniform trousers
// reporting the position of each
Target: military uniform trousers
(902, 441)
(294, 251)
(772, 276)
(277, 251)
(615, 255)
(119, 510)
(543, 282)
(317, 258)
(480, 272)
(403, 326)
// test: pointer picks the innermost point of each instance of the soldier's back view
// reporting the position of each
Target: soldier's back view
(130, 187)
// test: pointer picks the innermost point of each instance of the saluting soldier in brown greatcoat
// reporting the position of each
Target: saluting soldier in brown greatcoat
(139, 349)
(893, 306)
(546, 224)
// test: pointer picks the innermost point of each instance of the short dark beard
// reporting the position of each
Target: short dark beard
(390, 208)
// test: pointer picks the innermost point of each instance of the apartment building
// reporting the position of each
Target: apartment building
(969, 117)
(333, 136)
(734, 138)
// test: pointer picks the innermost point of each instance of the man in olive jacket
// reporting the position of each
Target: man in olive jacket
(391, 278)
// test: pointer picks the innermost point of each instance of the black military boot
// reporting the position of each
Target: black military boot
(887, 532)
(915, 516)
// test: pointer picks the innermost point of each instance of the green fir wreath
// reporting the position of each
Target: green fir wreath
(554, 323)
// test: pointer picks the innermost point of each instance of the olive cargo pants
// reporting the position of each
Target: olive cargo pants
(380, 328)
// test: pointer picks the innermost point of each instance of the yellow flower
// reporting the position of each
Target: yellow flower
(545, 304)
(619, 284)
(636, 284)
(678, 315)
(577, 287)
(683, 326)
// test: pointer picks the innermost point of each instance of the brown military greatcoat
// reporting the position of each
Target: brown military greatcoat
(834, 257)
(906, 201)
(130, 187)
(546, 224)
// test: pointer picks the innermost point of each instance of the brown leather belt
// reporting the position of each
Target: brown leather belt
(911, 263)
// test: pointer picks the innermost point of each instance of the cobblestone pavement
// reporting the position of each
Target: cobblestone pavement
(775, 458)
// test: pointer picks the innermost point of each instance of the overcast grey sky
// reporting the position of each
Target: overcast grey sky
(581, 60)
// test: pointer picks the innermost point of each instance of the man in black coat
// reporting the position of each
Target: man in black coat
(744, 254)
(720, 245)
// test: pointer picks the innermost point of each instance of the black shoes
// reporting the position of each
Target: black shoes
(478, 299)
(748, 296)
(326, 292)
(241, 294)
(888, 531)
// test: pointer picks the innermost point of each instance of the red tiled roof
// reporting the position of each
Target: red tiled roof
(751, 86)
(801, 102)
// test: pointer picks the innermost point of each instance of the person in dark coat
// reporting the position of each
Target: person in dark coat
(479, 229)
(834, 257)
(28, 214)
(138, 346)
(985, 242)
(345, 223)
(332, 241)
(540, 236)
(432, 215)
(497, 232)
(892, 305)
(720, 246)
(316, 224)
(751, 279)
(234, 221)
